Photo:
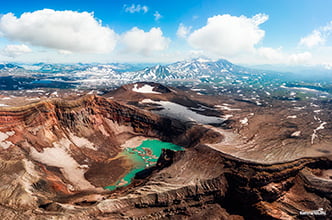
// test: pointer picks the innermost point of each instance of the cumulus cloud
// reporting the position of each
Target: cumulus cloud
(317, 37)
(136, 8)
(183, 31)
(62, 30)
(157, 16)
(313, 39)
(300, 58)
(276, 56)
(138, 41)
(15, 50)
(229, 35)
(328, 27)
(270, 53)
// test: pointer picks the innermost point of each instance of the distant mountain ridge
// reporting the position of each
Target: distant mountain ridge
(200, 70)
(179, 70)
(192, 69)
(220, 75)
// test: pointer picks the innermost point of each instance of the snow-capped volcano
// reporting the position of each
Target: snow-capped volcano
(189, 69)
(152, 73)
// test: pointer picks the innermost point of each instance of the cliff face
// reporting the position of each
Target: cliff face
(54, 149)
(202, 183)
(56, 156)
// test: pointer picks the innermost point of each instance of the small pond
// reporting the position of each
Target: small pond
(143, 156)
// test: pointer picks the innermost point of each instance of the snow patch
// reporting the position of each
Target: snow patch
(300, 88)
(55, 94)
(299, 108)
(244, 121)
(103, 131)
(226, 117)
(182, 113)
(314, 134)
(321, 126)
(296, 134)
(258, 103)
(316, 118)
(304, 89)
(197, 90)
(292, 116)
(314, 105)
(3, 137)
(225, 107)
(34, 90)
(145, 89)
(33, 99)
(58, 156)
(81, 142)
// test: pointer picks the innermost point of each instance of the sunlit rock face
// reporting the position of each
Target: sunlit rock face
(240, 160)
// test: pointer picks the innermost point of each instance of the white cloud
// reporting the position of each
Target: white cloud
(183, 31)
(62, 30)
(313, 39)
(15, 50)
(237, 39)
(138, 41)
(318, 37)
(157, 16)
(328, 27)
(136, 8)
(226, 35)
(64, 52)
(300, 58)
(269, 55)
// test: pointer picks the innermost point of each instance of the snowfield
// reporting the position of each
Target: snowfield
(3, 139)
(145, 89)
(59, 156)
(182, 113)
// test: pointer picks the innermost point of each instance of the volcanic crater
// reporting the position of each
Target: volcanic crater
(240, 160)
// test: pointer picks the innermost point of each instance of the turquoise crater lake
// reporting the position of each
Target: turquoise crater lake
(143, 156)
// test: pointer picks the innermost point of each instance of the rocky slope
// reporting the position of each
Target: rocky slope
(57, 155)
(57, 148)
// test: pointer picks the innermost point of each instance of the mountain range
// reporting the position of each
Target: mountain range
(198, 70)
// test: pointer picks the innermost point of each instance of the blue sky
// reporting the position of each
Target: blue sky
(292, 32)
